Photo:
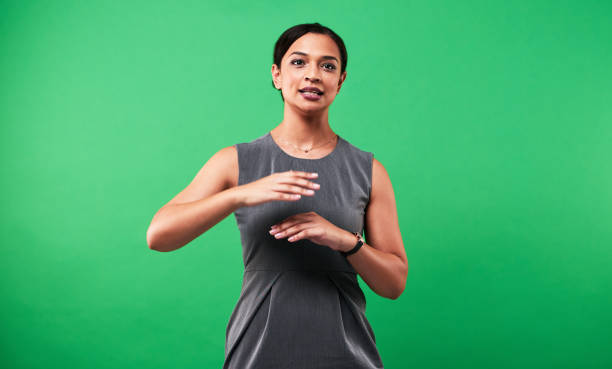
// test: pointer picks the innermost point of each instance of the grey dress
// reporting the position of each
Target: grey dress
(301, 305)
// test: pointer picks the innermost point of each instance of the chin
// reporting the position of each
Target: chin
(310, 108)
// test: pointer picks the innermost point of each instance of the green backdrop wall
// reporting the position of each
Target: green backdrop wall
(493, 119)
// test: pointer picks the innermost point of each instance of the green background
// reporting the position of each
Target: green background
(493, 120)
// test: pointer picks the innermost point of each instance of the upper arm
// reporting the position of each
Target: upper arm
(220, 172)
(382, 226)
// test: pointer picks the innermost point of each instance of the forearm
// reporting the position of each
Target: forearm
(384, 273)
(176, 225)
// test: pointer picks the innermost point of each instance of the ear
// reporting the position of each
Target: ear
(341, 81)
(276, 77)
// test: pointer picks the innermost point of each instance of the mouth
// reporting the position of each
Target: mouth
(313, 91)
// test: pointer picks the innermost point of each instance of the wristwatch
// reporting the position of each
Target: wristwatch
(357, 246)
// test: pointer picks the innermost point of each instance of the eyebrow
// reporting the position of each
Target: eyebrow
(323, 57)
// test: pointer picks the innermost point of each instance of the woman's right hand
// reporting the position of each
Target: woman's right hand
(282, 186)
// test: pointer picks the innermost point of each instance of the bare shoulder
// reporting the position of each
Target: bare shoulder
(227, 159)
(219, 173)
(382, 224)
(381, 183)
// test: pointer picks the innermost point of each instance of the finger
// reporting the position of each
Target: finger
(300, 182)
(294, 217)
(285, 188)
(286, 224)
(280, 196)
(303, 234)
(291, 230)
(296, 178)
(298, 173)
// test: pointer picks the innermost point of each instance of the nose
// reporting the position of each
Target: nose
(312, 74)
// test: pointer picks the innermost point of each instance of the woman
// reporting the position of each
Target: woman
(301, 196)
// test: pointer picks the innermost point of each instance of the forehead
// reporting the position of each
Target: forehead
(315, 45)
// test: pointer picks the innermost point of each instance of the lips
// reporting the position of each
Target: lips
(312, 89)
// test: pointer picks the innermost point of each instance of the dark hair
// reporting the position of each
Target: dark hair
(288, 37)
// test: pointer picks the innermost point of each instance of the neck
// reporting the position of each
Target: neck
(304, 128)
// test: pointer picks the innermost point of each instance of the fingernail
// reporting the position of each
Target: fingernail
(316, 185)
(309, 192)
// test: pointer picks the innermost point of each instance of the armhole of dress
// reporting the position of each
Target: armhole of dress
(369, 173)
(237, 146)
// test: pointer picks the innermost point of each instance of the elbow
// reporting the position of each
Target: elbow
(393, 293)
(401, 286)
(397, 292)
(157, 241)
(152, 241)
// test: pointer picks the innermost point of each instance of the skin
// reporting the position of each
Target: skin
(214, 192)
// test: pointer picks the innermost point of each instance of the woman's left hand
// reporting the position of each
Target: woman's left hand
(313, 227)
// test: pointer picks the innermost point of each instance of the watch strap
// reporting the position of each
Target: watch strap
(357, 246)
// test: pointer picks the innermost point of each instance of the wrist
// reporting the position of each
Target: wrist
(349, 240)
(237, 199)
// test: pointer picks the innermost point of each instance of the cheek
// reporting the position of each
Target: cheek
(333, 85)
(290, 80)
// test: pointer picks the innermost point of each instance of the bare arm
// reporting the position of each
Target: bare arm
(209, 198)
(382, 262)
(214, 194)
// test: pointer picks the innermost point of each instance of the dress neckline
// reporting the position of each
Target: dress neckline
(331, 154)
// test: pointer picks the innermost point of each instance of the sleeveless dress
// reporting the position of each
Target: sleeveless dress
(300, 304)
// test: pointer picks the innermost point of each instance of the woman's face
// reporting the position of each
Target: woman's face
(312, 61)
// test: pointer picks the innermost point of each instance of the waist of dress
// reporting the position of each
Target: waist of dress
(320, 270)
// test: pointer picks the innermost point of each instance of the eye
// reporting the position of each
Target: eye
(296, 60)
(331, 66)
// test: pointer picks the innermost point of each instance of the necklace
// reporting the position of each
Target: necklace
(311, 147)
